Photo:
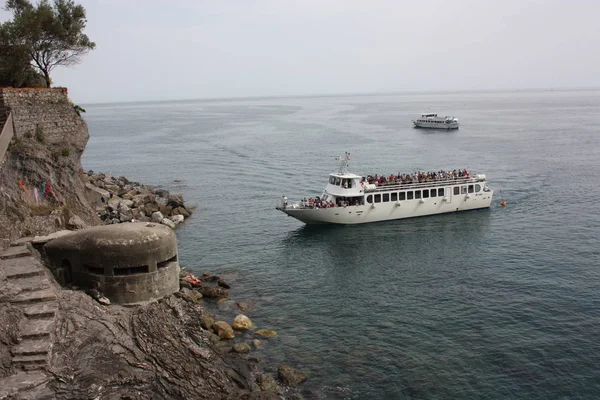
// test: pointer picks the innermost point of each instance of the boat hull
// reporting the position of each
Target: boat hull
(428, 125)
(362, 214)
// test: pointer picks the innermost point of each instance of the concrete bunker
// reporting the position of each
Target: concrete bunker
(128, 263)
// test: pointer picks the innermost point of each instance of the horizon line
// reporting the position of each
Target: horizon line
(386, 93)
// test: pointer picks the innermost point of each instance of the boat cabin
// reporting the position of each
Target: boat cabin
(428, 115)
(344, 189)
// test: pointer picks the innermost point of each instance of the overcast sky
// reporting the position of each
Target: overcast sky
(187, 49)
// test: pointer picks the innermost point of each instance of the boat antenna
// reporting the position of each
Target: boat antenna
(343, 163)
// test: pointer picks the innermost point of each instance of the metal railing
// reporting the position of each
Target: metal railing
(6, 136)
(384, 187)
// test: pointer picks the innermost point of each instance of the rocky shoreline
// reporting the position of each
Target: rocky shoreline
(120, 200)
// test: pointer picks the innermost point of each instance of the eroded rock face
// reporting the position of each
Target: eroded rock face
(155, 351)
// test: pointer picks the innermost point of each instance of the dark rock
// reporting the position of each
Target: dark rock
(267, 383)
(223, 284)
(241, 348)
(166, 210)
(213, 292)
(191, 295)
(264, 396)
(207, 320)
(289, 376)
(185, 284)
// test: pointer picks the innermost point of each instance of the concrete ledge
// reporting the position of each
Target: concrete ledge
(23, 267)
(36, 328)
(34, 297)
(41, 310)
(33, 347)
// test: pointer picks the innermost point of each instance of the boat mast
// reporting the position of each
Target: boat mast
(343, 163)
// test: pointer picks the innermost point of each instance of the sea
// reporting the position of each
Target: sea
(498, 303)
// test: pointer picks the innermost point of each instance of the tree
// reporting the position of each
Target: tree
(51, 35)
(15, 67)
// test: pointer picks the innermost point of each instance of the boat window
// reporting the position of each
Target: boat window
(463, 189)
(386, 197)
(433, 192)
(417, 194)
(478, 188)
(337, 181)
(409, 195)
(441, 192)
(471, 188)
(402, 196)
(370, 199)
(377, 198)
(394, 197)
(456, 190)
(426, 193)
(332, 180)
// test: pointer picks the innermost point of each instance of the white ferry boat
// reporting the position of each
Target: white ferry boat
(435, 122)
(353, 199)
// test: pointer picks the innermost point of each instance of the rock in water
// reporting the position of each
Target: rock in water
(241, 322)
(241, 348)
(266, 333)
(223, 329)
(168, 222)
(289, 376)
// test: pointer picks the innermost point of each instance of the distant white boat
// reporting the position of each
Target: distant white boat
(352, 199)
(435, 122)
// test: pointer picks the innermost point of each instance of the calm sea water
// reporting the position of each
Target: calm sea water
(494, 304)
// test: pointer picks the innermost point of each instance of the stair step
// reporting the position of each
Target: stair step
(30, 360)
(22, 241)
(36, 296)
(15, 252)
(23, 267)
(41, 310)
(21, 381)
(36, 328)
(32, 347)
(31, 283)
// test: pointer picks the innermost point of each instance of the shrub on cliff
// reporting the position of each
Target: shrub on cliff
(50, 35)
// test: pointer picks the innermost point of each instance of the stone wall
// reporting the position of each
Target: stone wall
(45, 153)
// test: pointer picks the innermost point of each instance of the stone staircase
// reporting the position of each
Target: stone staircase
(37, 300)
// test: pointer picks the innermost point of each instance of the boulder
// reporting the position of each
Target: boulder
(223, 329)
(177, 219)
(181, 210)
(257, 344)
(167, 222)
(166, 210)
(175, 200)
(207, 321)
(289, 376)
(241, 322)
(76, 223)
(241, 348)
(128, 203)
(157, 216)
(267, 383)
(266, 333)
(193, 296)
(151, 208)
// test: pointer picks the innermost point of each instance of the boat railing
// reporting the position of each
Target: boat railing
(383, 187)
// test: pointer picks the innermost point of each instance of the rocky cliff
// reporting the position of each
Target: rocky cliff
(41, 185)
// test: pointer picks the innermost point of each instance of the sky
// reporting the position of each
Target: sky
(192, 49)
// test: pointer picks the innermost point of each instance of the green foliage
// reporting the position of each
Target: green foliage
(46, 35)
(39, 134)
(78, 109)
(65, 152)
(55, 155)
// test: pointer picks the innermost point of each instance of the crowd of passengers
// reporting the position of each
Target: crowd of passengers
(317, 202)
(417, 177)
